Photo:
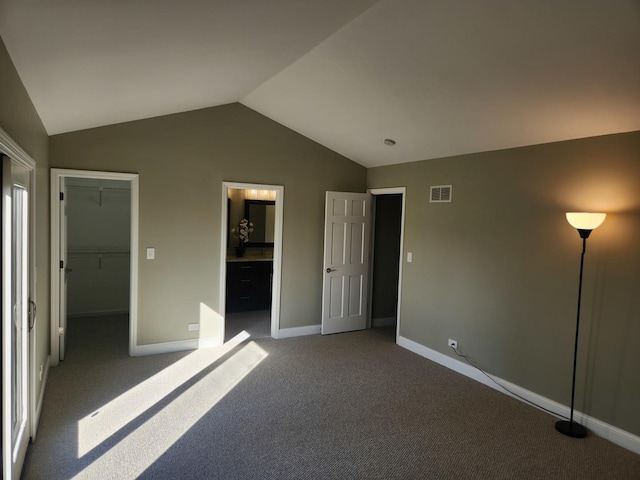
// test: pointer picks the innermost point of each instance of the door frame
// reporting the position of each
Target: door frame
(57, 175)
(16, 154)
(277, 251)
(388, 191)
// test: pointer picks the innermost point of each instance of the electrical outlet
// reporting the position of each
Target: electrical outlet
(452, 344)
(194, 327)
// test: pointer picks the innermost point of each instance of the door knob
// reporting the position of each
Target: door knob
(32, 314)
(329, 270)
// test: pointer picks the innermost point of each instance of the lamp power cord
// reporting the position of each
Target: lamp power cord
(470, 362)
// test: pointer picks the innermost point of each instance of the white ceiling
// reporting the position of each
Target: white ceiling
(441, 77)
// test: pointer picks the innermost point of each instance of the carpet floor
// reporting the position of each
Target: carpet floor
(347, 406)
(257, 323)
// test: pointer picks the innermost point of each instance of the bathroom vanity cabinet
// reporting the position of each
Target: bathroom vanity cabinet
(248, 285)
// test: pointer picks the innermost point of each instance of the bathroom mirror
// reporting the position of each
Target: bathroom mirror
(262, 213)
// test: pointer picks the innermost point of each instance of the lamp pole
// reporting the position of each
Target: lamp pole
(585, 223)
(570, 427)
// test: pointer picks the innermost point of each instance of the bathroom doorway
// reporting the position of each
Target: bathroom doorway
(251, 259)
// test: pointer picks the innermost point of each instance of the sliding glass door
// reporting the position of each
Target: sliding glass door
(15, 316)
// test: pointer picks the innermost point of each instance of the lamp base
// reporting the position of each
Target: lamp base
(572, 429)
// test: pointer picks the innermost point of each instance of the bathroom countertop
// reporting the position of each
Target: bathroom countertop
(249, 258)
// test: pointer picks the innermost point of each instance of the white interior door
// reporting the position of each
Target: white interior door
(15, 321)
(347, 233)
(64, 271)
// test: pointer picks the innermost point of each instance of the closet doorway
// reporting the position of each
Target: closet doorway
(387, 258)
(251, 259)
(94, 261)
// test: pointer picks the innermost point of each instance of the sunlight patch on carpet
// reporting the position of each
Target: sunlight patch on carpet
(175, 419)
(107, 420)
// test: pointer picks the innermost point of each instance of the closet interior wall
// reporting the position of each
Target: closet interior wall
(98, 244)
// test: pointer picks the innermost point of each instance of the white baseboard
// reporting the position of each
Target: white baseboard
(177, 346)
(600, 428)
(98, 313)
(298, 331)
(383, 322)
(207, 342)
(36, 420)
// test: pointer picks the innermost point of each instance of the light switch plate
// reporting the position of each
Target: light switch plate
(409, 257)
(151, 253)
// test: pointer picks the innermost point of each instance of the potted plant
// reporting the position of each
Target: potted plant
(245, 227)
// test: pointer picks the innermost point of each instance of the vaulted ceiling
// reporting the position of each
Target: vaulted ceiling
(440, 77)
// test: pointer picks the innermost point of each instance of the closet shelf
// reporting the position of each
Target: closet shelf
(97, 253)
(100, 190)
(98, 187)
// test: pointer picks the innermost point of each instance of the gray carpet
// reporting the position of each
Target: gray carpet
(257, 322)
(348, 406)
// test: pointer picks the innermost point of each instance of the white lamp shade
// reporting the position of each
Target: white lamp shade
(585, 220)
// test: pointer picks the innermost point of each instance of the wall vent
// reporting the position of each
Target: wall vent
(440, 193)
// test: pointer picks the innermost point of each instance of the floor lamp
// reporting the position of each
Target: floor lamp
(584, 222)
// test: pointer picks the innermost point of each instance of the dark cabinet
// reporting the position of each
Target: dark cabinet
(249, 285)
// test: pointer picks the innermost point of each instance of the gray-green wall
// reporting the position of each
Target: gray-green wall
(20, 120)
(497, 269)
(182, 160)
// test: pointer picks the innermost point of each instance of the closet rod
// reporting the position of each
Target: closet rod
(100, 190)
(99, 187)
(103, 253)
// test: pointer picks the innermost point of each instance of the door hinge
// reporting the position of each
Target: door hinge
(61, 196)
(60, 330)
(61, 264)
